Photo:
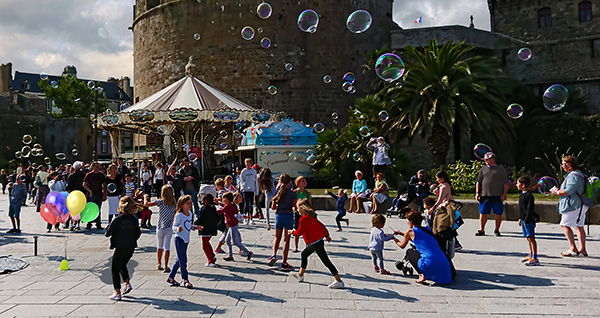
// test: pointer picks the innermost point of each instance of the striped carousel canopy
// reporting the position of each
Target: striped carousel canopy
(189, 93)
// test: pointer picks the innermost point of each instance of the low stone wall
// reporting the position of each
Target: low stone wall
(546, 209)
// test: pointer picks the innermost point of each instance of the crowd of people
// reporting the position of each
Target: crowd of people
(185, 206)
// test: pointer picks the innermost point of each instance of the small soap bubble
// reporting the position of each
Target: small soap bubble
(247, 33)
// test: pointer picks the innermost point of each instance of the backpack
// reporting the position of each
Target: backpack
(443, 218)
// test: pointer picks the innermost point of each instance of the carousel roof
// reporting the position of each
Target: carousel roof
(189, 93)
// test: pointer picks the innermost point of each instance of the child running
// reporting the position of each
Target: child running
(527, 219)
(182, 225)
(301, 193)
(314, 234)
(283, 204)
(207, 225)
(341, 199)
(233, 236)
(378, 238)
(124, 231)
(164, 231)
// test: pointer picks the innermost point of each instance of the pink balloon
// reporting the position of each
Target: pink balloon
(53, 209)
(63, 218)
(47, 215)
(76, 217)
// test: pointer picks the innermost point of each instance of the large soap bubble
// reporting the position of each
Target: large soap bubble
(247, 33)
(545, 184)
(308, 21)
(480, 150)
(359, 21)
(555, 97)
(514, 111)
(524, 54)
(264, 10)
(389, 67)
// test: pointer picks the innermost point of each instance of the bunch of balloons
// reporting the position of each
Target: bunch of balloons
(60, 206)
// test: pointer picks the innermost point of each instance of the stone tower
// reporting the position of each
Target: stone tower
(164, 39)
(564, 36)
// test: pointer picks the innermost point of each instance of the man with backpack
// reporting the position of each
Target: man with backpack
(571, 205)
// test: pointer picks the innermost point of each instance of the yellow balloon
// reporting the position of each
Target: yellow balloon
(76, 202)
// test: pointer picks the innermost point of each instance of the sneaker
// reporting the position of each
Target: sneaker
(286, 267)
(268, 227)
(115, 297)
(173, 282)
(376, 269)
(336, 285)
(219, 251)
(497, 233)
(480, 233)
(210, 265)
(299, 277)
(526, 258)
(271, 260)
(338, 230)
(99, 227)
(11, 231)
(457, 247)
(384, 272)
(18, 231)
(128, 288)
(249, 256)
(228, 259)
(347, 222)
(214, 260)
(532, 262)
(296, 251)
(167, 269)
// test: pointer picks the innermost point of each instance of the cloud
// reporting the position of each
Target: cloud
(441, 12)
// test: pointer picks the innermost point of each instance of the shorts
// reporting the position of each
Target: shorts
(113, 205)
(528, 229)
(14, 210)
(361, 195)
(570, 218)
(163, 238)
(284, 221)
(487, 204)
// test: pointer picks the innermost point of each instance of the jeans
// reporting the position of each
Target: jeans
(121, 257)
(413, 256)
(181, 261)
(318, 247)
(207, 248)
(338, 218)
(248, 203)
(235, 238)
(268, 200)
(375, 256)
(42, 192)
(194, 194)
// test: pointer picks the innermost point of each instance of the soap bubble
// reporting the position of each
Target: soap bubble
(60, 156)
(524, 54)
(27, 139)
(309, 152)
(389, 67)
(18, 155)
(91, 84)
(555, 97)
(318, 128)
(349, 77)
(146, 130)
(47, 160)
(25, 151)
(214, 125)
(347, 87)
(223, 134)
(247, 33)
(480, 150)
(103, 32)
(289, 67)
(359, 21)
(383, 115)
(308, 21)
(43, 76)
(112, 188)
(514, 111)
(327, 79)
(265, 43)
(54, 84)
(223, 146)
(197, 36)
(364, 131)
(311, 159)
(335, 116)
(546, 183)
(272, 89)
(357, 157)
(37, 146)
(161, 130)
(75, 152)
(264, 10)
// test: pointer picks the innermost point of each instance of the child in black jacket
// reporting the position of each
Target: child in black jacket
(527, 219)
(340, 202)
(124, 231)
(207, 221)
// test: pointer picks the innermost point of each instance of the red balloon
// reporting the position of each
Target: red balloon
(47, 215)
(63, 218)
(53, 209)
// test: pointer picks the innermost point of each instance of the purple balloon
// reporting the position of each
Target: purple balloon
(58, 201)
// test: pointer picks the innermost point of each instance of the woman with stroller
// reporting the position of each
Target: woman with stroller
(427, 257)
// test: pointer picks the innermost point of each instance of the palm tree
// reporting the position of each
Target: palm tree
(449, 93)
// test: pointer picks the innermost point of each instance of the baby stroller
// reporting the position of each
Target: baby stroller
(406, 195)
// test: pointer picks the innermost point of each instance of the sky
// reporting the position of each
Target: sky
(42, 36)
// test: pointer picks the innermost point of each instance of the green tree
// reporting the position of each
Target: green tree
(73, 97)
(449, 93)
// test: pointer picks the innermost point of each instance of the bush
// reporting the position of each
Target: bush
(463, 175)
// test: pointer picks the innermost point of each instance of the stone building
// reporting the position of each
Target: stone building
(164, 39)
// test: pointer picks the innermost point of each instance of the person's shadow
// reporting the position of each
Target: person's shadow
(476, 280)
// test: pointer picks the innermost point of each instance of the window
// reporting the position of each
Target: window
(544, 18)
(585, 11)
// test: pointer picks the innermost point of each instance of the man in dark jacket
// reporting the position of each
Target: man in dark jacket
(191, 179)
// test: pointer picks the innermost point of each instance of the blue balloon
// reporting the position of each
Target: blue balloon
(58, 200)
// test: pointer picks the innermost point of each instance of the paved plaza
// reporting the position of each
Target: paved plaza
(490, 281)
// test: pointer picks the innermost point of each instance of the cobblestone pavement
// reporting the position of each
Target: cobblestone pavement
(491, 280)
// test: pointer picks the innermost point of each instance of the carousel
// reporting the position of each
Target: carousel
(190, 116)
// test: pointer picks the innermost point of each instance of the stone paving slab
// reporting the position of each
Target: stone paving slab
(491, 281)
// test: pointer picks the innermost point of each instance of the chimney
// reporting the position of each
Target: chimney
(125, 85)
(5, 77)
